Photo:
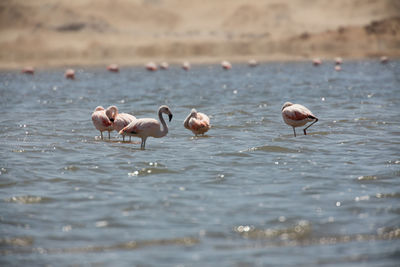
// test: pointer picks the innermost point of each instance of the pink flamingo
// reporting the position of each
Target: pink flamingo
(101, 121)
(338, 60)
(151, 66)
(69, 74)
(226, 65)
(197, 122)
(384, 59)
(28, 70)
(119, 120)
(253, 63)
(297, 115)
(186, 65)
(113, 68)
(164, 65)
(317, 62)
(144, 128)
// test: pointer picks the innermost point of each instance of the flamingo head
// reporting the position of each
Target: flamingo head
(193, 113)
(165, 109)
(111, 113)
(99, 108)
(287, 104)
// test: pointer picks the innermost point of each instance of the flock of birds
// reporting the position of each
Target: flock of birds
(128, 125)
(294, 115)
(125, 124)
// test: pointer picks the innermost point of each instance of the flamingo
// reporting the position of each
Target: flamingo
(144, 128)
(338, 68)
(28, 70)
(151, 66)
(119, 120)
(186, 65)
(101, 121)
(297, 115)
(69, 74)
(164, 65)
(113, 68)
(317, 62)
(338, 60)
(253, 63)
(384, 59)
(197, 122)
(226, 65)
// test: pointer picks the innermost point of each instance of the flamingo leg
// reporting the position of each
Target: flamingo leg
(129, 138)
(123, 138)
(143, 144)
(101, 134)
(109, 136)
(294, 131)
(316, 119)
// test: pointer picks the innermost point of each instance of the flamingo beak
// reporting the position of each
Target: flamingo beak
(112, 119)
(170, 117)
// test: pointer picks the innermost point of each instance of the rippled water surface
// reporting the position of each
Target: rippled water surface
(246, 194)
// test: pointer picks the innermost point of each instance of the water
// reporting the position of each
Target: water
(246, 194)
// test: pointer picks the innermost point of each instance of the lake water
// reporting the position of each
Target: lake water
(247, 194)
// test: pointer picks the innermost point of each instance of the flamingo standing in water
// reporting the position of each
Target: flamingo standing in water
(297, 115)
(69, 74)
(186, 65)
(101, 121)
(197, 122)
(113, 68)
(151, 66)
(28, 70)
(226, 65)
(144, 128)
(119, 120)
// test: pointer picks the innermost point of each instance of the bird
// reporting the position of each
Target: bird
(119, 120)
(338, 61)
(151, 66)
(338, 68)
(384, 59)
(69, 74)
(197, 122)
(186, 65)
(253, 63)
(226, 65)
(101, 121)
(297, 115)
(113, 68)
(28, 70)
(164, 65)
(143, 128)
(317, 61)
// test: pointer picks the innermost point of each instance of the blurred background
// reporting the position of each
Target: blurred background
(95, 32)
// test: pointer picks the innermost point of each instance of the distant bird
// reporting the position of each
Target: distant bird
(151, 66)
(253, 63)
(316, 62)
(186, 65)
(119, 120)
(101, 121)
(69, 74)
(384, 60)
(226, 65)
(144, 128)
(197, 122)
(164, 65)
(113, 68)
(338, 60)
(28, 70)
(338, 68)
(297, 115)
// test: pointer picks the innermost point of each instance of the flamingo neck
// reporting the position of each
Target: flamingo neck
(164, 130)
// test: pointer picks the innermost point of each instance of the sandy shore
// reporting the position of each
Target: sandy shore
(45, 33)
